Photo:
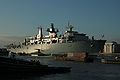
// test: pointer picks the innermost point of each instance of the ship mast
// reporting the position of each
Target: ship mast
(69, 27)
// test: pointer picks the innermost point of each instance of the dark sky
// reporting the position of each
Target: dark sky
(93, 17)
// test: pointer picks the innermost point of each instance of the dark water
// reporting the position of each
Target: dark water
(80, 71)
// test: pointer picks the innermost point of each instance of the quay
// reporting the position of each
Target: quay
(80, 57)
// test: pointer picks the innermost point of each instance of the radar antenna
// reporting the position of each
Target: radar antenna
(69, 27)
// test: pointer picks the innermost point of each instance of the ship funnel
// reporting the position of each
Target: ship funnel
(52, 29)
(52, 25)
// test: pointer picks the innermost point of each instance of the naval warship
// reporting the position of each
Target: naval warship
(69, 42)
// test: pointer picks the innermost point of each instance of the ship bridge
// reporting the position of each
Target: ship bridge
(74, 35)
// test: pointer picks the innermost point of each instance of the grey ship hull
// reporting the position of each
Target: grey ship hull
(55, 48)
(62, 48)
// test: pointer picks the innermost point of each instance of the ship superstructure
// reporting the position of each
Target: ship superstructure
(69, 42)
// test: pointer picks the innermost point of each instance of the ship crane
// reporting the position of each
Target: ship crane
(39, 35)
